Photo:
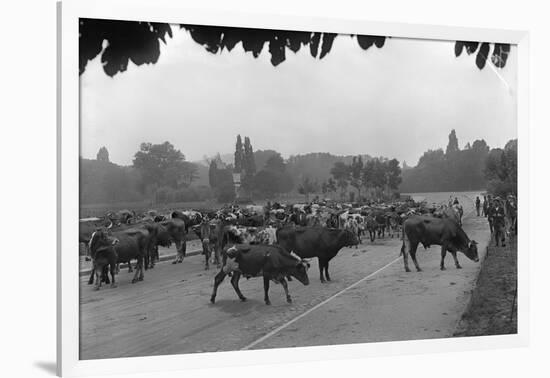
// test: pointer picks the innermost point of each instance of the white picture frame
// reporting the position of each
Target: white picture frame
(172, 11)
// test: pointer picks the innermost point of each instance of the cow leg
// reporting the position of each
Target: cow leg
(140, 264)
(98, 277)
(138, 276)
(112, 270)
(235, 284)
(91, 279)
(206, 252)
(180, 252)
(266, 290)
(106, 274)
(404, 252)
(217, 258)
(117, 268)
(218, 279)
(326, 271)
(285, 286)
(443, 253)
(457, 264)
(87, 248)
(154, 255)
(372, 235)
(147, 258)
(321, 266)
(412, 252)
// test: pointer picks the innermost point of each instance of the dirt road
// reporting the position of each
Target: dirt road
(170, 313)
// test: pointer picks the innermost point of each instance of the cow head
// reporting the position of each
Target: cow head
(471, 251)
(99, 239)
(300, 270)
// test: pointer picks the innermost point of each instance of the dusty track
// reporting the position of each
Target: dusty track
(170, 312)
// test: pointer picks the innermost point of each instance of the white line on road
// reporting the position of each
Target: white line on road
(278, 329)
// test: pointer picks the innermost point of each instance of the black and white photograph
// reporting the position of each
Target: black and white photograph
(248, 188)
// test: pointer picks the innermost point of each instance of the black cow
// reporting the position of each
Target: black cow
(104, 257)
(271, 262)
(320, 242)
(437, 231)
(155, 239)
(131, 244)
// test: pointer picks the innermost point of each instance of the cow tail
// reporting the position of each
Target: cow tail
(404, 244)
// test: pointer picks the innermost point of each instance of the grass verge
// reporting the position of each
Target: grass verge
(493, 306)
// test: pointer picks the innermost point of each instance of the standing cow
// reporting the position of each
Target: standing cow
(131, 244)
(269, 261)
(439, 231)
(320, 242)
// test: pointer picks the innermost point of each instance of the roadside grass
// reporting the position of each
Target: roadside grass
(493, 306)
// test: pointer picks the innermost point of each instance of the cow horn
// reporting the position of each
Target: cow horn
(293, 254)
(110, 225)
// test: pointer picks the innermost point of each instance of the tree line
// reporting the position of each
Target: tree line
(475, 167)
(374, 179)
(159, 173)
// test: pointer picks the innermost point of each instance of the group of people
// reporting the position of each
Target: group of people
(497, 211)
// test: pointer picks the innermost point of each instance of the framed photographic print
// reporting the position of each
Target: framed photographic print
(246, 187)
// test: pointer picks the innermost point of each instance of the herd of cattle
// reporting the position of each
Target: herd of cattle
(273, 241)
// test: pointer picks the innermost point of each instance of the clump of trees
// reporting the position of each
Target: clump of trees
(501, 169)
(374, 179)
(452, 170)
(164, 165)
(159, 173)
(272, 178)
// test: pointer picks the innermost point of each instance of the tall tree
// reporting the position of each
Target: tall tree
(103, 154)
(213, 174)
(239, 154)
(249, 164)
(394, 174)
(452, 147)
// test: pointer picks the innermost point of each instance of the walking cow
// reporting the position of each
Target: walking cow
(269, 261)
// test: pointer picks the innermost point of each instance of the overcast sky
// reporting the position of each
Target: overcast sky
(397, 101)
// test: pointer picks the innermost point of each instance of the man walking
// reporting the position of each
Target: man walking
(478, 205)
